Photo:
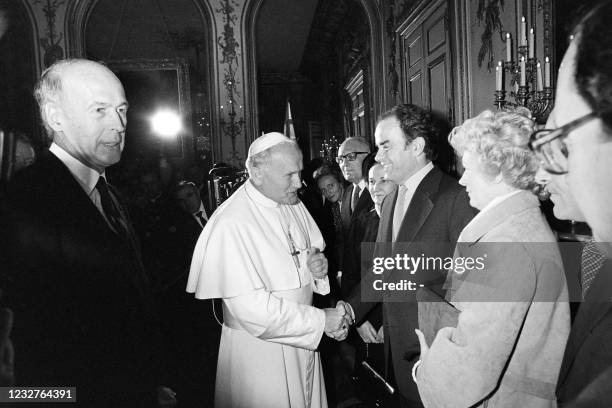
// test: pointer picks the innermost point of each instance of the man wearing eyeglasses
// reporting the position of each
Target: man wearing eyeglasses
(580, 147)
(356, 198)
(355, 201)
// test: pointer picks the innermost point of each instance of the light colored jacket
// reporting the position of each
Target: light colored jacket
(514, 315)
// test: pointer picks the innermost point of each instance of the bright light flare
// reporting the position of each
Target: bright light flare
(166, 123)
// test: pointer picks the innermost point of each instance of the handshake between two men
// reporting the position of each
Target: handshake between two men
(338, 319)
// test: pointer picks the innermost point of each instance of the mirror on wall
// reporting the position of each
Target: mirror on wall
(159, 116)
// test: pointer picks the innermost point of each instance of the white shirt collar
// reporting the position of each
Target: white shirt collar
(362, 185)
(413, 181)
(86, 176)
(202, 210)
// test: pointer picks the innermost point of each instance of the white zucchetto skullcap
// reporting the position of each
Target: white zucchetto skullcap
(266, 141)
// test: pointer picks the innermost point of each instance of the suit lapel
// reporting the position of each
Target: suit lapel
(591, 311)
(363, 204)
(418, 211)
(81, 208)
(83, 213)
(420, 206)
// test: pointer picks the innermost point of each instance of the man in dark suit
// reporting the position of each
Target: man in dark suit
(74, 275)
(188, 326)
(356, 201)
(579, 148)
(185, 226)
(429, 207)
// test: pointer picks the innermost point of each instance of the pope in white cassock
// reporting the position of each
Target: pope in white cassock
(261, 253)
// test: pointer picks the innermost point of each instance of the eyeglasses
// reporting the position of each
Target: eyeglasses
(549, 145)
(349, 157)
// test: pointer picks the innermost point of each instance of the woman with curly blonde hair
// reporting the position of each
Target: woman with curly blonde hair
(511, 300)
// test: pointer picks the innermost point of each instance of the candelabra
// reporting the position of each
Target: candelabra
(329, 149)
(529, 88)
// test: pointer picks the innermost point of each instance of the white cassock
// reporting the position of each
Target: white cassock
(270, 329)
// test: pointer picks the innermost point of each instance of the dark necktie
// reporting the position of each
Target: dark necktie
(354, 198)
(201, 218)
(592, 260)
(337, 216)
(110, 209)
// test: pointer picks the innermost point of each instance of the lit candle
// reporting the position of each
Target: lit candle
(523, 31)
(539, 77)
(499, 72)
(522, 71)
(547, 72)
(508, 47)
(531, 43)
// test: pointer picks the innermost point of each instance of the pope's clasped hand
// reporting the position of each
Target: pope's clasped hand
(316, 262)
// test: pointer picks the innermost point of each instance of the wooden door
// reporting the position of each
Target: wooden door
(425, 51)
(426, 69)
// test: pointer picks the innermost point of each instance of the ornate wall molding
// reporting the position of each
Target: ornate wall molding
(53, 42)
(231, 110)
(251, 13)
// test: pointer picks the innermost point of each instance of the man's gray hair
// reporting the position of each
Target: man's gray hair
(262, 158)
(49, 87)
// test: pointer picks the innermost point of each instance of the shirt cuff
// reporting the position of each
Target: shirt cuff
(414, 371)
(321, 286)
(351, 311)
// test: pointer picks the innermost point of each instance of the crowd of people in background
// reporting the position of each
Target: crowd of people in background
(100, 280)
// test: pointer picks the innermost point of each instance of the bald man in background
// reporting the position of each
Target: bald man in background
(356, 200)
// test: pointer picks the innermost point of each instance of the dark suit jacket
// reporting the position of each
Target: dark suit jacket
(588, 353)
(177, 241)
(363, 228)
(82, 302)
(438, 212)
(353, 226)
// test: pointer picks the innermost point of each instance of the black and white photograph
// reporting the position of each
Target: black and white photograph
(306, 203)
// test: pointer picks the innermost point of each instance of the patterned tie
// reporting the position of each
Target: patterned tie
(592, 260)
(109, 206)
(400, 209)
(201, 218)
